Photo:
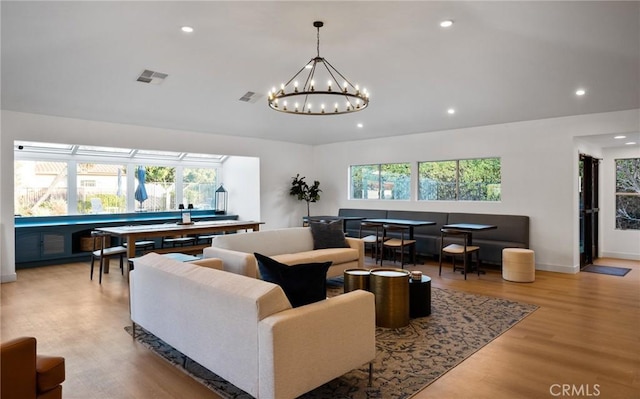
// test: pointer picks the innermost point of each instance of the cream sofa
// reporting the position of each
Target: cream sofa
(245, 330)
(289, 246)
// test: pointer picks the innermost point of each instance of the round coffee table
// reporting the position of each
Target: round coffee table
(391, 289)
(420, 297)
(356, 279)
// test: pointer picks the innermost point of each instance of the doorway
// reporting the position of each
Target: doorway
(589, 209)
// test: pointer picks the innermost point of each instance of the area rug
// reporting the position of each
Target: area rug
(609, 270)
(408, 359)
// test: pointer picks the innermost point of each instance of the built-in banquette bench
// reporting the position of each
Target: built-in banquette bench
(512, 231)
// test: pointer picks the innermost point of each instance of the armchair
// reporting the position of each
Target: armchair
(27, 375)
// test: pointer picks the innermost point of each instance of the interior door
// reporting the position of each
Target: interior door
(588, 209)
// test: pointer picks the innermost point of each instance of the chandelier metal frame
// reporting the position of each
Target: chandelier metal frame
(342, 98)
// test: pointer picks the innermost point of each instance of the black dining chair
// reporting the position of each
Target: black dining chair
(397, 244)
(458, 245)
(374, 240)
(102, 253)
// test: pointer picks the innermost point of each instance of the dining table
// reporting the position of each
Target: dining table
(410, 223)
(470, 228)
(131, 233)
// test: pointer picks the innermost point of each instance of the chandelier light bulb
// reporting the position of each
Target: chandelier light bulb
(296, 107)
(313, 83)
(295, 86)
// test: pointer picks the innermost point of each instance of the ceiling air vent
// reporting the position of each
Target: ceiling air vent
(152, 77)
(250, 97)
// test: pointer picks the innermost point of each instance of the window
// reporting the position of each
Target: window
(60, 179)
(465, 180)
(160, 185)
(382, 181)
(199, 187)
(101, 188)
(628, 194)
(40, 188)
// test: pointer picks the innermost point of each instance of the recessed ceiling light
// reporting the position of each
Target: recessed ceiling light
(581, 92)
(620, 137)
(451, 111)
(360, 125)
(446, 23)
(187, 29)
(630, 143)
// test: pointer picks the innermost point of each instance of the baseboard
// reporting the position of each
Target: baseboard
(620, 255)
(8, 278)
(558, 268)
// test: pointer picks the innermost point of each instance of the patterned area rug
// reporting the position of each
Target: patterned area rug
(408, 359)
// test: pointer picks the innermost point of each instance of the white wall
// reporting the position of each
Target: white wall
(539, 171)
(539, 174)
(624, 244)
(271, 204)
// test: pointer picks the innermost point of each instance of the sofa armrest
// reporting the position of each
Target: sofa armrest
(212, 263)
(305, 347)
(50, 372)
(234, 261)
(358, 244)
(18, 366)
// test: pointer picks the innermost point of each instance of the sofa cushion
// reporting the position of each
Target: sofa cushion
(302, 283)
(328, 235)
(335, 255)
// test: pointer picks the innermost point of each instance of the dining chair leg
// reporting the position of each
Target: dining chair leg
(101, 269)
(93, 259)
(440, 267)
(465, 264)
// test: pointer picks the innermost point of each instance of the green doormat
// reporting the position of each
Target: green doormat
(408, 359)
(610, 270)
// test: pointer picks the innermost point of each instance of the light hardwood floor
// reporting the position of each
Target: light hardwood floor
(585, 336)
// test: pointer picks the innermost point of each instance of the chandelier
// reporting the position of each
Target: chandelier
(305, 93)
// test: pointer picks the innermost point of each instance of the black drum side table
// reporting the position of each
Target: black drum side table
(420, 297)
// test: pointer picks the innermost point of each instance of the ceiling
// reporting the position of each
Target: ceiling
(500, 62)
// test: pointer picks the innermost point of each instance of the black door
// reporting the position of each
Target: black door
(588, 209)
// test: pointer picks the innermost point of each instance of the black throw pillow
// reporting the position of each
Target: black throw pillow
(328, 235)
(302, 284)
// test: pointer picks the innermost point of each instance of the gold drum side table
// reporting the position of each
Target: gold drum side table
(356, 279)
(391, 290)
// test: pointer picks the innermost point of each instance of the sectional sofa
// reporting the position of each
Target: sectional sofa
(512, 231)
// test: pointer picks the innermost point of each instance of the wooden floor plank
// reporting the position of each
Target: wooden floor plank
(585, 332)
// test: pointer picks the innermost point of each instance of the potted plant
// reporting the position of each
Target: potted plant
(304, 192)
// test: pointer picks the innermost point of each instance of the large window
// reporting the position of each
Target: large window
(464, 180)
(381, 181)
(60, 179)
(40, 188)
(199, 187)
(101, 188)
(628, 194)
